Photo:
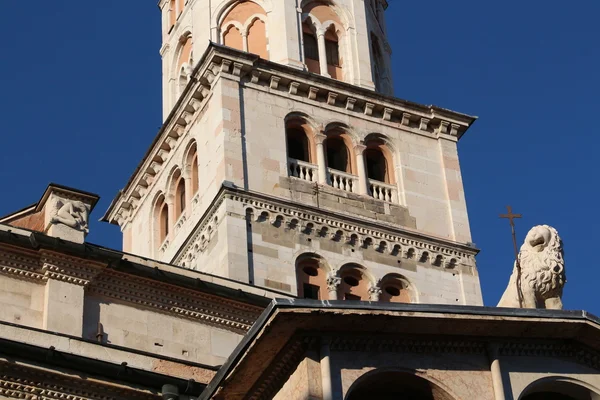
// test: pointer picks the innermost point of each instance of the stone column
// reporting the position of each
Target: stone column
(333, 282)
(326, 380)
(170, 200)
(321, 161)
(363, 179)
(322, 53)
(245, 40)
(187, 177)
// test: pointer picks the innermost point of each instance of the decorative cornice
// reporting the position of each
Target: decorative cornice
(352, 231)
(27, 383)
(187, 303)
(278, 79)
(69, 269)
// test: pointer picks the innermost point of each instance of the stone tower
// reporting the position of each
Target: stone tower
(285, 162)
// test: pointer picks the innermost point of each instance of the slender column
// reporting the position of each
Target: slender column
(333, 281)
(496, 372)
(326, 369)
(363, 181)
(245, 41)
(170, 200)
(321, 162)
(322, 53)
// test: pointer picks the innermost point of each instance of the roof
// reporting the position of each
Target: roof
(285, 319)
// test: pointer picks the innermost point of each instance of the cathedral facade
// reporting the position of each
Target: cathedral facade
(293, 231)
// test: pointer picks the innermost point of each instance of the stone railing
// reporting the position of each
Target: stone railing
(303, 170)
(383, 191)
(342, 180)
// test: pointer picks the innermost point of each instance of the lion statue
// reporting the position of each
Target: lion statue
(539, 276)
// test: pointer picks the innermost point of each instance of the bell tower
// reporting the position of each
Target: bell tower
(344, 39)
(285, 162)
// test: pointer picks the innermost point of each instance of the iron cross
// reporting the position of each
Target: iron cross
(511, 217)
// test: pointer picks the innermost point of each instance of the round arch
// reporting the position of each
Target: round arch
(380, 158)
(559, 388)
(392, 384)
(222, 10)
(311, 276)
(356, 282)
(396, 288)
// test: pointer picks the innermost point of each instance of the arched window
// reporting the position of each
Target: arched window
(311, 278)
(332, 51)
(160, 221)
(297, 144)
(355, 284)
(322, 16)
(257, 39)
(184, 62)
(338, 154)
(388, 385)
(311, 49)
(180, 7)
(195, 175)
(233, 38)
(244, 28)
(164, 222)
(379, 160)
(394, 289)
(180, 198)
(191, 166)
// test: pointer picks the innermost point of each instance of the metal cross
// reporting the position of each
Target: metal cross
(511, 217)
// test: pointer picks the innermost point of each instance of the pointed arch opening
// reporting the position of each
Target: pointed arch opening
(191, 165)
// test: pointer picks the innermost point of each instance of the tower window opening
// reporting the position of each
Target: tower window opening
(333, 52)
(297, 145)
(181, 195)
(310, 271)
(392, 291)
(376, 165)
(311, 47)
(337, 154)
(164, 222)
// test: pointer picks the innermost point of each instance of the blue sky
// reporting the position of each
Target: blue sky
(81, 101)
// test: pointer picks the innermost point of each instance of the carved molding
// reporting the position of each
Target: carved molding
(31, 384)
(176, 300)
(325, 227)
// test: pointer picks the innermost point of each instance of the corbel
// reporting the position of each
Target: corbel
(406, 119)
(254, 76)
(444, 127)
(424, 124)
(331, 98)
(225, 65)
(237, 69)
(454, 129)
(312, 93)
(350, 102)
(171, 142)
(387, 114)
(294, 87)
(369, 109)
(274, 83)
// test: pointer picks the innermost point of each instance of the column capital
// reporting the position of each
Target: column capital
(359, 148)
(333, 281)
(320, 138)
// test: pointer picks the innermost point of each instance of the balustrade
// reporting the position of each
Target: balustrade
(343, 181)
(382, 191)
(303, 170)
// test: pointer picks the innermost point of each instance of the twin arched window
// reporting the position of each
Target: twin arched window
(321, 39)
(244, 28)
(169, 207)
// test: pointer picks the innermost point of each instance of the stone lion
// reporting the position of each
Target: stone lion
(539, 281)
